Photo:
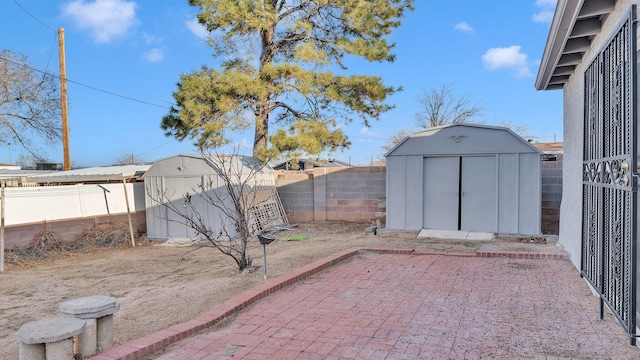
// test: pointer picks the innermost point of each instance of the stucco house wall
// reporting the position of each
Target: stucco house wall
(573, 135)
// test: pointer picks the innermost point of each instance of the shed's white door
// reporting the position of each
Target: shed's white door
(478, 194)
(441, 190)
(460, 193)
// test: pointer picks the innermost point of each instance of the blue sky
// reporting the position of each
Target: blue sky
(137, 49)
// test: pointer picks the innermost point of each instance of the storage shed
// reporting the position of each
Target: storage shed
(464, 177)
(203, 179)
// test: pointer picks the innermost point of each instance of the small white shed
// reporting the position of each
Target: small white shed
(464, 177)
(201, 178)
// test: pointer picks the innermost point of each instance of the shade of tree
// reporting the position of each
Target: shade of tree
(30, 106)
(282, 64)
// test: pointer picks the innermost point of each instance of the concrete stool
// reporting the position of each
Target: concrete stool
(49, 339)
(97, 311)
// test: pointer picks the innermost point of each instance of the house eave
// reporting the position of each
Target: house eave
(575, 24)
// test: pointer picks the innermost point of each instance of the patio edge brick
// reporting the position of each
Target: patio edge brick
(138, 349)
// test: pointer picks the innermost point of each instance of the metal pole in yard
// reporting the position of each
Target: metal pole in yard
(2, 227)
(126, 199)
(264, 252)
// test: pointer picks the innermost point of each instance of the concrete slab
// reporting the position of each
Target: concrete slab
(49, 330)
(421, 307)
(90, 307)
(452, 234)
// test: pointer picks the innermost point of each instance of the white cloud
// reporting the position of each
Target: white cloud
(197, 29)
(509, 58)
(367, 131)
(463, 26)
(105, 19)
(154, 55)
(549, 3)
(546, 8)
(543, 16)
(150, 39)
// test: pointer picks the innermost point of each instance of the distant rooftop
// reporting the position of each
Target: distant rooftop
(309, 164)
(550, 147)
(91, 174)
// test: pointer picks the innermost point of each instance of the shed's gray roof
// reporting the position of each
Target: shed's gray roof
(212, 164)
(441, 138)
(575, 24)
(92, 174)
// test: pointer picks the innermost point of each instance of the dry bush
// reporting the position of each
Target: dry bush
(49, 246)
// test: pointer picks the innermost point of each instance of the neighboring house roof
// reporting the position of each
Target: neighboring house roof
(304, 163)
(10, 167)
(549, 148)
(13, 174)
(575, 23)
(92, 174)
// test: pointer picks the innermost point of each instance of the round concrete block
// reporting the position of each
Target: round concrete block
(50, 330)
(90, 307)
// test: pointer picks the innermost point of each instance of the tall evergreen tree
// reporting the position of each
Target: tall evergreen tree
(283, 63)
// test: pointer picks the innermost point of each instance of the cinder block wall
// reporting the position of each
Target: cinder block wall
(327, 194)
(296, 195)
(22, 236)
(551, 195)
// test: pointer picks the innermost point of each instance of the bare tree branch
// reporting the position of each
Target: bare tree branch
(242, 200)
(29, 103)
(441, 107)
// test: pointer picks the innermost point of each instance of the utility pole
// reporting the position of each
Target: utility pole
(63, 98)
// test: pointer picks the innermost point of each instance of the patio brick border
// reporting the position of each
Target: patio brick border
(140, 348)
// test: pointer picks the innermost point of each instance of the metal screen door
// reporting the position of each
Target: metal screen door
(609, 182)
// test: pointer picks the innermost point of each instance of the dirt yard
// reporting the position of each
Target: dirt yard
(159, 285)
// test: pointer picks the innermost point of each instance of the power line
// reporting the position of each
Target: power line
(85, 85)
(34, 18)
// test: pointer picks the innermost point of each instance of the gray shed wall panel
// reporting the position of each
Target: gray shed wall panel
(413, 192)
(508, 174)
(440, 198)
(395, 193)
(530, 200)
(479, 194)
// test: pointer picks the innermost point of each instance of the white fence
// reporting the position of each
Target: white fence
(36, 204)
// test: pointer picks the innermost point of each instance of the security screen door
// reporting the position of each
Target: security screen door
(609, 176)
(460, 193)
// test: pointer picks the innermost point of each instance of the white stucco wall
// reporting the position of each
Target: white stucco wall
(573, 137)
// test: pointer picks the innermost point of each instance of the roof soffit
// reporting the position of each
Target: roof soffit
(575, 24)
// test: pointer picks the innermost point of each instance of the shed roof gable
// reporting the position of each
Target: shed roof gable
(463, 139)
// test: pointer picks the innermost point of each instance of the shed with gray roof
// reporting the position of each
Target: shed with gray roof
(464, 177)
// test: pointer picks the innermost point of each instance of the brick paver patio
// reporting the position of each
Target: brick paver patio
(393, 306)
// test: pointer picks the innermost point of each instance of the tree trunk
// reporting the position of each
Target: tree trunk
(260, 138)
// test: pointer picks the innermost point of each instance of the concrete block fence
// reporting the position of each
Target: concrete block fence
(327, 194)
(353, 194)
(22, 236)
